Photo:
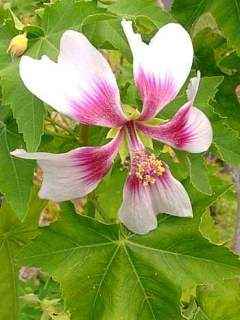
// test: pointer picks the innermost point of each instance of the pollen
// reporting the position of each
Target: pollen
(146, 167)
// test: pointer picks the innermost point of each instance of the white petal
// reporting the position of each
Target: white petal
(162, 67)
(73, 174)
(136, 212)
(169, 196)
(43, 78)
(141, 203)
(81, 85)
(173, 52)
(189, 130)
(193, 86)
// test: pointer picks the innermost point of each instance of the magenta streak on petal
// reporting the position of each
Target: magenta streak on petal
(134, 142)
(164, 179)
(133, 185)
(177, 132)
(94, 162)
(155, 93)
(99, 106)
(135, 188)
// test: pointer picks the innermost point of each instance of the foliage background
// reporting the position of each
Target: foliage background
(91, 267)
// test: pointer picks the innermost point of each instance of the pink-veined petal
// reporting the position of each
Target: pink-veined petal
(169, 196)
(141, 203)
(73, 174)
(136, 212)
(160, 68)
(189, 130)
(134, 142)
(81, 84)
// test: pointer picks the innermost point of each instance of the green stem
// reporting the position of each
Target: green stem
(55, 124)
(85, 135)
(70, 133)
(59, 135)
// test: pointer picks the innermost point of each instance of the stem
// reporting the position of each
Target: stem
(45, 288)
(84, 134)
(59, 135)
(57, 126)
(236, 179)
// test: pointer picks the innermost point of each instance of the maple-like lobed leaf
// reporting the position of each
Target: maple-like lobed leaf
(98, 265)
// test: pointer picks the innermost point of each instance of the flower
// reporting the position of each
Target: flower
(82, 86)
(29, 273)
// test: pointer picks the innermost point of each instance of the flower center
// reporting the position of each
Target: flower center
(146, 167)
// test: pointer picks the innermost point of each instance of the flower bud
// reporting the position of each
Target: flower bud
(18, 45)
(30, 298)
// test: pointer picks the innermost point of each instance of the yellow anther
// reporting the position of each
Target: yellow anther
(146, 167)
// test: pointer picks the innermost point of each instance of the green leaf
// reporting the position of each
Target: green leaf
(148, 17)
(227, 104)
(27, 110)
(214, 55)
(228, 23)
(227, 142)
(109, 193)
(73, 16)
(208, 229)
(141, 8)
(208, 88)
(218, 223)
(207, 42)
(201, 201)
(219, 301)
(18, 24)
(107, 34)
(98, 265)
(188, 12)
(15, 175)
(13, 236)
(8, 302)
(198, 174)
